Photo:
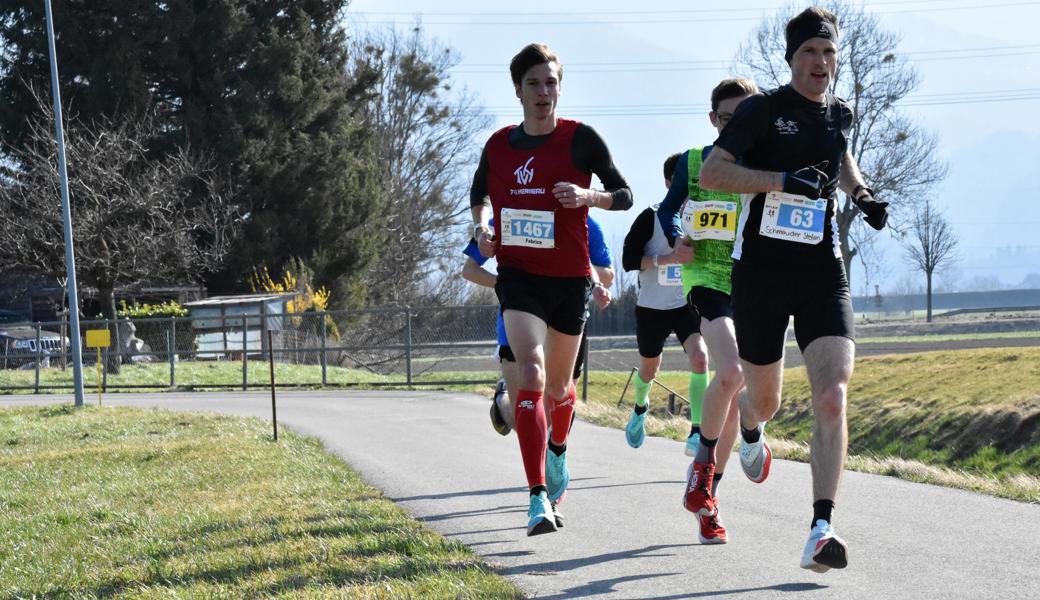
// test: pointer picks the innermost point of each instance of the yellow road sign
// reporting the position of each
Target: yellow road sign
(99, 338)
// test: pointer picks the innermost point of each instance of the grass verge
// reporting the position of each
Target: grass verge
(965, 418)
(129, 503)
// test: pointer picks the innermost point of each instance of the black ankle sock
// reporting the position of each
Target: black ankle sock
(557, 450)
(695, 429)
(708, 442)
(822, 509)
(750, 435)
(539, 489)
(641, 409)
(715, 483)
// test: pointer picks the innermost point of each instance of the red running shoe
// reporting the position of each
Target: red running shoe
(698, 498)
(711, 529)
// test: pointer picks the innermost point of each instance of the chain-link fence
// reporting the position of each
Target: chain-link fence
(398, 347)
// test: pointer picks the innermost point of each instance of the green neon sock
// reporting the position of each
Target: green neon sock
(643, 390)
(698, 383)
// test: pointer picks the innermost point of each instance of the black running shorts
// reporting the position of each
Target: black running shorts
(505, 354)
(709, 303)
(559, 301)
(653, 326)
(764, 299)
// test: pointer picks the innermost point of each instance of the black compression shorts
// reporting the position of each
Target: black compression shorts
(764, 299)
(709, 303)
(559, 301)
(653, 327)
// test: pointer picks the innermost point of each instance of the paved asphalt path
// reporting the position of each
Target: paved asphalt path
(626, 535)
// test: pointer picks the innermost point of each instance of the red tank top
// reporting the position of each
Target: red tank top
(537, 234)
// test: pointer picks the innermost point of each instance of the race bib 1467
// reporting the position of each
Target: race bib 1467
(528, 228)
(793, 218)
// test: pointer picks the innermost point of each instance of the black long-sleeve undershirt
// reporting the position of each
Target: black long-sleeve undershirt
(588, 151)
(635, 242)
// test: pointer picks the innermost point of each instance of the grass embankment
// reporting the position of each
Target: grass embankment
(964, 418)
(127, 503)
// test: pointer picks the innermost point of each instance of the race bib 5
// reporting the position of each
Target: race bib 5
(669, 275)
(528, 228)
(793, 218)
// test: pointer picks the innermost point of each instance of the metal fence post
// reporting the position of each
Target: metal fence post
(172, 351)
(245, 353)
(588, 367)
(324, 345)
(104, 369)
(36, 386)
(408, 345)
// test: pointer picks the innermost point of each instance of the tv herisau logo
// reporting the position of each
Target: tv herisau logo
(524, 173)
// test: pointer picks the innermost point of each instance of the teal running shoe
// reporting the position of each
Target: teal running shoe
(557, 475)
(692, 444)
(634, 431)
(540, 518)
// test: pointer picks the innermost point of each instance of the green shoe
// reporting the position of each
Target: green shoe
(634, 431)
(540, 518)
(692, 444)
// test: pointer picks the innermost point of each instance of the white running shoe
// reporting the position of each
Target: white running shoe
(824, 550)
(756, 458)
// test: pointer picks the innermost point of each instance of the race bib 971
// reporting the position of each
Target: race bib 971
(793, 218)
(528, 228)
(710, 220)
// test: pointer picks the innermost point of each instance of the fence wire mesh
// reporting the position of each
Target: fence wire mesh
(425, 346)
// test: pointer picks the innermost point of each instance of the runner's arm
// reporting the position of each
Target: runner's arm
(590, 154)
(479, 200)
(850, 177)
(721, 172)
(668, 211)
(477, 274)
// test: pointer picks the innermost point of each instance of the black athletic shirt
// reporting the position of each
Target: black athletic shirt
(781, 130)
(588, 151)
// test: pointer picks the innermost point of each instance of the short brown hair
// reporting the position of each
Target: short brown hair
(530, 56)
(669, 165)
(732, 88)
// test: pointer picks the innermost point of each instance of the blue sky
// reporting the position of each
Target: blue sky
(979, 62)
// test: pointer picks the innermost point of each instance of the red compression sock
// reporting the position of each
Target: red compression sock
(562, 411)
(530, 431)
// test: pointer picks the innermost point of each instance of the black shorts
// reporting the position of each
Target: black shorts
(505, 354)
(559, 301)
(653, 327)
(709, 303)
(764, 299)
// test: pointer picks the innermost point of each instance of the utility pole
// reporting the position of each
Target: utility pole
(70, 255)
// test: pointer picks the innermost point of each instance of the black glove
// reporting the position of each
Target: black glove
(875, 212)
(807, 181)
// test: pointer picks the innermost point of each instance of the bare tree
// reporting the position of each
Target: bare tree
(932, 244)
(135, 218)
(896, 155)
(426, 135)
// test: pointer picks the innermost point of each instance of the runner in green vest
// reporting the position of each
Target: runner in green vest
(704, 231)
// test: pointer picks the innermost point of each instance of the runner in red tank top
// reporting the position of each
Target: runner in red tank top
(535, 177)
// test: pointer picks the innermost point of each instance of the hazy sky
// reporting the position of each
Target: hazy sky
(627, 63)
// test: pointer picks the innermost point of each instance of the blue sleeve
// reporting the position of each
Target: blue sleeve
(471, 250)
(668, 212)
(599, 254)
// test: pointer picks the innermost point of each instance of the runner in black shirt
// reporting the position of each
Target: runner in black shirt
(788, 151)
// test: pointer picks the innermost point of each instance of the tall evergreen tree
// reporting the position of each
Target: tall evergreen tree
(257, 84)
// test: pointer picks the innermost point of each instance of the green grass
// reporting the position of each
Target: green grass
(965, 418)
(128, 503)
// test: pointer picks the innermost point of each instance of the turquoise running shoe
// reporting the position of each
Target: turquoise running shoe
(634, 431)
(692, 444)
(557, 475)
(540, 518)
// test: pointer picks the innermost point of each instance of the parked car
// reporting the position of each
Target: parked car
(18, 345)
